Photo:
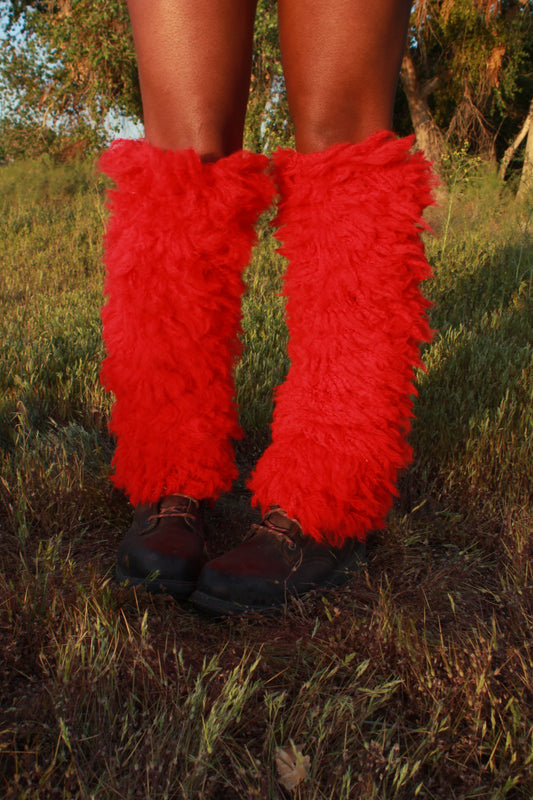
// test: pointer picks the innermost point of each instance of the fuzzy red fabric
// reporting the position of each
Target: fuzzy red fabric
(350, 222)
(178, 238)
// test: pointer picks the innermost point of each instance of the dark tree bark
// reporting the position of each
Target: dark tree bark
(428, 135)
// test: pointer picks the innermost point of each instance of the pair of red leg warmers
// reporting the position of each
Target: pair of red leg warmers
(179, 236)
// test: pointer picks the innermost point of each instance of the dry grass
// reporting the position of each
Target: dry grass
(414, 680)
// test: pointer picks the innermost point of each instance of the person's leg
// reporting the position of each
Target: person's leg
(180, 233)
(341, 60)
(194, 59)
(351, 201)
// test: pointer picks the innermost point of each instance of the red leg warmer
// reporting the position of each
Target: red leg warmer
(180, 233)
(350, 222)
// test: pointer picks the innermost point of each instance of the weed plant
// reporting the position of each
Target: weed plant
(415, 680)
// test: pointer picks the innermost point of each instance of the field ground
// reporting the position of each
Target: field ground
(413, 680)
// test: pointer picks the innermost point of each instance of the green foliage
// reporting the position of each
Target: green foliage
(267, 118)
(480, 367)
(478, 59)
(51, 285)
(264, 362)
(73, 64)
(460, 167)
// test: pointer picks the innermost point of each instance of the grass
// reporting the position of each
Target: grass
(414, 680)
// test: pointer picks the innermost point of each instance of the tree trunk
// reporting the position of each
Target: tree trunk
(526, 179)
(428, 135)
(513, 147)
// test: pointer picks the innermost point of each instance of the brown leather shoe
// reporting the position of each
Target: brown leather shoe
(275, 561)
(164, 550)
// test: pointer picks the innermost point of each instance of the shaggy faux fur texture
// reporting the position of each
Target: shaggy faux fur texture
(350, 222)
(179, 236)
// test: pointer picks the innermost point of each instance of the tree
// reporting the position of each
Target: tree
(467, 74)
(526, 132)
(267, 119)
(428, 134)
(74, 63)
(463, 71)
(526, 179)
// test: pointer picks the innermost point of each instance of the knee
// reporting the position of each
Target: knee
(318, 125)
(211, 139)
(313, 136)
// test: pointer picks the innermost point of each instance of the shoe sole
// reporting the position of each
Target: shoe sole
(177, 589)
(216, 606)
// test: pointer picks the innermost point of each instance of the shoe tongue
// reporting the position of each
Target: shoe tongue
(279, 519)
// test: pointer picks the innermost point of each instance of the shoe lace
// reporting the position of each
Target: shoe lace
(288, 531)
(183, 506)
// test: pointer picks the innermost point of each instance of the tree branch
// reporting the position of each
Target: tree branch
(513, 147)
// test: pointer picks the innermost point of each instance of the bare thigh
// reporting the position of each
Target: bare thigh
(194, 59)
(341, 60)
